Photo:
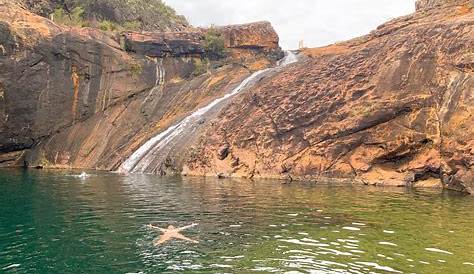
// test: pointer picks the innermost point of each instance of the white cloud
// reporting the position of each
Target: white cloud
(317, 22)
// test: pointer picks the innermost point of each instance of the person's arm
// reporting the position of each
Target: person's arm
(155, 227)
(188, 226)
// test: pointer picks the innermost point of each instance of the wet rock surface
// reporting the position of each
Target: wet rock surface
(391, 108)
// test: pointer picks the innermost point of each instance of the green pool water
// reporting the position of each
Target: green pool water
(57, 222)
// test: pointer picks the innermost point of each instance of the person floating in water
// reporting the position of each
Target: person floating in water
(172, 233)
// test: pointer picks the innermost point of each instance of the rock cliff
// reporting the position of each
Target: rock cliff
(52, 77)
(395, 107)
(76, 97)
(239, 39)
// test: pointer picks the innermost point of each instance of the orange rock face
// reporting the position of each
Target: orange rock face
(260, 35)
(395, 107)
(238, 39)
(429, 4)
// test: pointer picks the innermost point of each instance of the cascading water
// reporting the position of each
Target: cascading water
(148, 157)
(289, 58)
(160, 79)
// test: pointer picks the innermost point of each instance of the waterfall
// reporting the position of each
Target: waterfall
(160, 75)
(153, 151)
(290, 58)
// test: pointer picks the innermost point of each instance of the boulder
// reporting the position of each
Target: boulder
(462, 181)
(223, 152)
(259, 35)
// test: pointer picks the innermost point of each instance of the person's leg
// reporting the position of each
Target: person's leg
(181, 237)
(159, 241)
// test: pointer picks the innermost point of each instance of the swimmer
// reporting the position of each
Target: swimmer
(172, 233)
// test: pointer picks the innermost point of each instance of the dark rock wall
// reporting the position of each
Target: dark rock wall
(175, 44)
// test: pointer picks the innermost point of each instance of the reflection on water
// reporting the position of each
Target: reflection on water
(58, 222)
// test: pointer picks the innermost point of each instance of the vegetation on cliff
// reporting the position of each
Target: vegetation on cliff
(74, 18)
(111, 15)
(201, 66)
(214, 43)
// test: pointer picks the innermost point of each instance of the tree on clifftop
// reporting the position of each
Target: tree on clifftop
(214, 44)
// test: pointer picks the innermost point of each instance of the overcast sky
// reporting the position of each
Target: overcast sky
(317, 22)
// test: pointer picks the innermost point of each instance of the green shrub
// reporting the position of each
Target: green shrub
(133, 15)
(200, 66)
(136, 69)
(214, 43)
(74, 19)
(107, 25)
(132, 25)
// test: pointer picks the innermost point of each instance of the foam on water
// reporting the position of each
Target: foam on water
(11, 266)
(351, 228)
(379, 267)
(305, 242)
(437, 250)
(81, 176)
(387, 243)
